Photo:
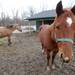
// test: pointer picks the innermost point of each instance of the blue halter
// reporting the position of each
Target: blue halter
(64, 40)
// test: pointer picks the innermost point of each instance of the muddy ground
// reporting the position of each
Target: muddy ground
(24, 57)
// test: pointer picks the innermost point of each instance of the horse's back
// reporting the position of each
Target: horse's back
(45, 30)
(45, 36)
(4, 32)
(4, 29)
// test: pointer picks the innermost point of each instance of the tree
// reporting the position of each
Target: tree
(24, 15)
(31, 11)
(2, 18)
(15, 16)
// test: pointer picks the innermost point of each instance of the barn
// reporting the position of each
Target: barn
(44, 17)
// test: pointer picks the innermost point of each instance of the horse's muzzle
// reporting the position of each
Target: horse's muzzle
(66, 60)
(20, 30)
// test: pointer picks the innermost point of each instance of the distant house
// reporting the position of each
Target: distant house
(44, 17)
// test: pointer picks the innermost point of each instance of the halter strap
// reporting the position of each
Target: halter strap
(61, 39)
(64, 40)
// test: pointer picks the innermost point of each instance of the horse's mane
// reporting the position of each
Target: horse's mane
(9, 26)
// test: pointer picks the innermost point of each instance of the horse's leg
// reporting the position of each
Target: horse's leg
(9, 40)
(42, 48)
(53, 57)
(62, 62)
(48, 58)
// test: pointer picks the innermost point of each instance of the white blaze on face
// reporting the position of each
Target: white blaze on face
(69, 21)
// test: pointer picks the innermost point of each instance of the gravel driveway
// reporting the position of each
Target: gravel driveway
(24, 57)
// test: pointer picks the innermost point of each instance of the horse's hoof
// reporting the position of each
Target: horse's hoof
(53, 67)
(48, 68)
(9, 44)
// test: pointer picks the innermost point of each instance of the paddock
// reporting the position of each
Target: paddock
(24, 57)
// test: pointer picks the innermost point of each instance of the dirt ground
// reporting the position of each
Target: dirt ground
(24, 57)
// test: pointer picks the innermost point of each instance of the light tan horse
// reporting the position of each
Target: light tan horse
(7, 31)
(58, 38)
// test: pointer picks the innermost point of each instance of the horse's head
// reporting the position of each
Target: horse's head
(64, 31)
(14, 27)
(18, 27)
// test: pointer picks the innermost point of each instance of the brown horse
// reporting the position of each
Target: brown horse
(58, 37)
(7, 31)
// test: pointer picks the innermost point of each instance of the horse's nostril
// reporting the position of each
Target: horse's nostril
(66, 60)
(20, 30)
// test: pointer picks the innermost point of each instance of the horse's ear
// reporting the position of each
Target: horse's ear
(73, 9)
(59, 9)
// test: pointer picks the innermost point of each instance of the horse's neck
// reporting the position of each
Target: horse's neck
(52, 31)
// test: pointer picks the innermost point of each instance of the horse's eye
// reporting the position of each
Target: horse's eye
(58, 27)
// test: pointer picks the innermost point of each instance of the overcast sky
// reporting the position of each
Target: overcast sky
(8, 5)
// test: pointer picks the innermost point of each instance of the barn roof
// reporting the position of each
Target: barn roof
(49, 14)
